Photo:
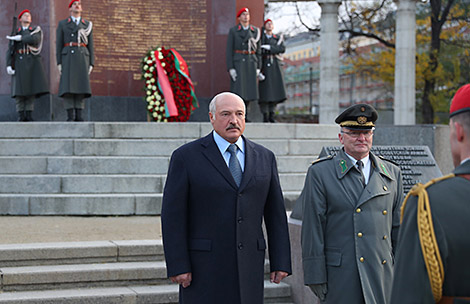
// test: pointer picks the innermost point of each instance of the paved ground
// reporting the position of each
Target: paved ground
(40, 229)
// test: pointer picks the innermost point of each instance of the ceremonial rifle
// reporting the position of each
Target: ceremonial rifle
(12, 42)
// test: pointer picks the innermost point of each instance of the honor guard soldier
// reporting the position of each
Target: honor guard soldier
(75, 60)
(351, 215)
(244, 57)
(432, 260)
(25, 65)
(271, 88)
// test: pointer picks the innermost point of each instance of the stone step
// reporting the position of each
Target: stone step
(99, 184)
(189, 130)
(117, 164)
(38, 254)
(81, 204)
(65, 184)
(155, 294)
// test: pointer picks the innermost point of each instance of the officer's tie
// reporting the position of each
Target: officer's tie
(360, 166)
(234, 164)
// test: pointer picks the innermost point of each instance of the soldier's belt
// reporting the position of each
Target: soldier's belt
(450, 300)
(23, 51)
(245, 52)
(74, 44)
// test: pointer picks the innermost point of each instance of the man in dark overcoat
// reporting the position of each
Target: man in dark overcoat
(351, 215)
(28, 77)
(244, 57)
(218, 191)
(271, 88)
(75, 60)
(432, 259)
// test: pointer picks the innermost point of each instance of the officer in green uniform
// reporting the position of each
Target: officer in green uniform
(28, 77)
(271, 88)
(244, 57)
(351, 215)
(433, 254)
(75, 60)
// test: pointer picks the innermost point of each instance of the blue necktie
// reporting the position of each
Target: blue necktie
(234, 164)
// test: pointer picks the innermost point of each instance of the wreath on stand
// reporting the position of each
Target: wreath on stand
(169, 91)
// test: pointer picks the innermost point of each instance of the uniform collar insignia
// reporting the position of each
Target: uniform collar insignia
(343, 165)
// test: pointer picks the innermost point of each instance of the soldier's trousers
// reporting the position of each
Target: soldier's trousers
(24, 103)
(74, 101)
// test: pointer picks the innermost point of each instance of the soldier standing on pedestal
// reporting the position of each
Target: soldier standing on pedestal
(243, 57)
(75, 60)
(271, 89)
(25, 66)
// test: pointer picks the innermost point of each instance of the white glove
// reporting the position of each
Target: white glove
(233, 74)
(16, 38)
(59, 66)
(266, 47)
(261, 77)
(90, 69)
(10, 71)
(257, 72)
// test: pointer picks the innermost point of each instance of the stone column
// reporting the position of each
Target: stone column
(329, 61)
(405, 52)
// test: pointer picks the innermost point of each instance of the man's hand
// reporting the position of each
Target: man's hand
(90, 69)
(15, 38)
(183, 279)
(266, 47)
(10, 71)
(59, 66)
(233, 74)
(320, 290)
(277, 276)
(261, 77)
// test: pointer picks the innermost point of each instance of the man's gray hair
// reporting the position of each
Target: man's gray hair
(212, 104)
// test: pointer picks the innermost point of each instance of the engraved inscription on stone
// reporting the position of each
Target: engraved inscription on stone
(123, 31)
(416, 162)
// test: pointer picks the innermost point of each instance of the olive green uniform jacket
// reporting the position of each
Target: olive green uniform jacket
(75, 60)
(272, 88)
(29, 78)
(248, 41)
(348, 231)
(450, 208)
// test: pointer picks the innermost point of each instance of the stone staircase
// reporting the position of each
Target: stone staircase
(94, 168)
(95, 272)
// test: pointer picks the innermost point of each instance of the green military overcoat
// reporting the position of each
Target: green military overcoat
(348, 231)
(29, 78)
(272, 88)
(450, 208)
(75, 60)
(243, 55)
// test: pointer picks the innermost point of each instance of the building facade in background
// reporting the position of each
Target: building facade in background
(302, 78)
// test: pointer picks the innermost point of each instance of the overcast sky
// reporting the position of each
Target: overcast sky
(286, 20)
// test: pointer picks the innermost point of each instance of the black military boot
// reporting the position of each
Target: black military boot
(78, 115)
(29, 116)
(21, 116)
(69, 114)
(271, 117)
(265, 117)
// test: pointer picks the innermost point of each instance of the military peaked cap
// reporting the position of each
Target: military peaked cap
(359, 116)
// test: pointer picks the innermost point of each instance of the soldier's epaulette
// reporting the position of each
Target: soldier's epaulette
(389, 160)
(322, 159)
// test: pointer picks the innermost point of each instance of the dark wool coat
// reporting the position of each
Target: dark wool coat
(348, 231)
(75, 60)
(213, 229)
(29, 78)
(450, 208)
(272, 88)
(246, 85)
